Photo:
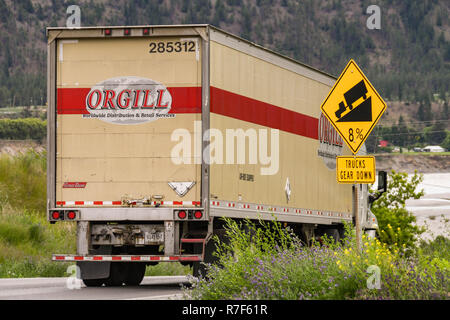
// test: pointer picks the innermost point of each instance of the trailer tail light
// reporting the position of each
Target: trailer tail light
(56, 215)
(182, 214)
(146, 31)
(198, 214)
(71, 215)
(108, 32)
(126, 32)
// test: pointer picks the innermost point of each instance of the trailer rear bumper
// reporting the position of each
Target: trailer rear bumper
(124, 258)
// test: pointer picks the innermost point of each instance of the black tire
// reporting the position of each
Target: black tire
(135, 272)
(117, 275)
(93, 282)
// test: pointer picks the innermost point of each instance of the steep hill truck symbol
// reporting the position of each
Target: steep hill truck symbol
(362, 112)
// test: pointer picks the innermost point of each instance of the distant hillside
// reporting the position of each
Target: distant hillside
(408, 163)
(408, 59)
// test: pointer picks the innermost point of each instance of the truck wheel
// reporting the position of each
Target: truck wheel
(116, 275)
(135, 272)
(93, 282)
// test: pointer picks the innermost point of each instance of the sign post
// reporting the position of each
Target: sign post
(353, 107)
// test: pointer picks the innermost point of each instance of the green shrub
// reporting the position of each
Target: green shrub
(23, 129)
(397, 228)
(254, 266)
(397, 225)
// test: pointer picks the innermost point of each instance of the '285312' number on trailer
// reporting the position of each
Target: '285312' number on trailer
(161, 47)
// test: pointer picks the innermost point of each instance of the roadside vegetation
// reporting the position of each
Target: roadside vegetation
(27, 239)
(256, 267)
(263, 260)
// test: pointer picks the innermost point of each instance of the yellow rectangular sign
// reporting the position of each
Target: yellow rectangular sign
(354, 169)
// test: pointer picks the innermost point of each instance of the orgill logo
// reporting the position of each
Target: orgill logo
(330, 142)
(128, 100)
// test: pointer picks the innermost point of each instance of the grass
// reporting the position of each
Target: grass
(27, 242)
(27, 239)
(271, 263)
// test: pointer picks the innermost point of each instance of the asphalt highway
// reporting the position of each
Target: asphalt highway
(151, 288)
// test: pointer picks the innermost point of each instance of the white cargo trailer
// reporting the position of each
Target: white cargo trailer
(156, 132)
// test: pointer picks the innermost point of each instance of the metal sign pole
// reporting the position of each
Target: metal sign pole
(357, 217)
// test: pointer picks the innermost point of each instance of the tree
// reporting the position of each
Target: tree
(397, 225)
(446, 143)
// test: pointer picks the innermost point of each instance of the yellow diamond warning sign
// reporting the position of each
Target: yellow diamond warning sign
(354, 169)
(353, 106)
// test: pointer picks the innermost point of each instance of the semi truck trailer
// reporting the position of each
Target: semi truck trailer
(155, 133)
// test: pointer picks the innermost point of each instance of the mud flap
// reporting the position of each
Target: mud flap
(94, 270)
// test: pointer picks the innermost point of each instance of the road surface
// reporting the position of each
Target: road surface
(151, 288)
(433, 209)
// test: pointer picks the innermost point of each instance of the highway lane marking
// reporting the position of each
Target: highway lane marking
(176, 296)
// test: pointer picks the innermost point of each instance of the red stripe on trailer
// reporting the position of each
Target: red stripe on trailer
(155, 258)
(78, 258)
(116, 258)
(117, 203)
(173, 258)
(240, 107)
(135, 258)
(188, 100)
(59, 257)
(196, 203)
(178, 203)
(98, 203)
(97, 258)
(184, 100)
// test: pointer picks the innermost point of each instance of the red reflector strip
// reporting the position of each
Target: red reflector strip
(125, 258)
(119, 203)
(195, 258)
